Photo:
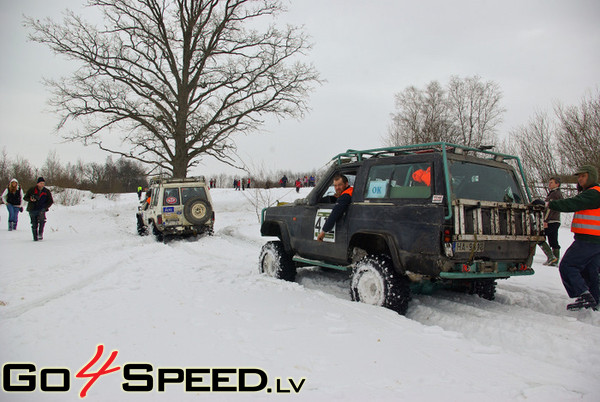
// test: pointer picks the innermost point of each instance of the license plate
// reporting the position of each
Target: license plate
(467, 246)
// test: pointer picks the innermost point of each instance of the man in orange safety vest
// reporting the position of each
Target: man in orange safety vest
(581, 263)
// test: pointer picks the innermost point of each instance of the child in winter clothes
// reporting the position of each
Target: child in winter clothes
(13, 198)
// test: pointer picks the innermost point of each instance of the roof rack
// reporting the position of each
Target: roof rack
(164, 180)
(353, 155)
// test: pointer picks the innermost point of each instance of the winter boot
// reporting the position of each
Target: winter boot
(556, 252)
(548, 251)
(10, 226)
(35, 233)
(585, 300)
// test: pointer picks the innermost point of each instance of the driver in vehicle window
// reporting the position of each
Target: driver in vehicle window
(343, 192)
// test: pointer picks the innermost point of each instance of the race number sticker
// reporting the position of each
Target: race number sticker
(320, 218)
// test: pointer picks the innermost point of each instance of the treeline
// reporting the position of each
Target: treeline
(120, 176)
(262, 179)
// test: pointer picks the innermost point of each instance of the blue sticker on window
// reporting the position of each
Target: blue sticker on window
(169, 209)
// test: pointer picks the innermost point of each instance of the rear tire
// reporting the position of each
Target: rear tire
(375, 282)
(484, 288)
(157, 233)
(274, 261)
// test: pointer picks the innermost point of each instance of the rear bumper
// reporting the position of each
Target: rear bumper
(484, 275)
(184, 230)
(485, 270)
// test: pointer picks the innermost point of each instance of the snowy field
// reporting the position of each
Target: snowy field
(202, 304)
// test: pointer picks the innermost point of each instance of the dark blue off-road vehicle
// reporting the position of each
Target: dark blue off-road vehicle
(421, 217)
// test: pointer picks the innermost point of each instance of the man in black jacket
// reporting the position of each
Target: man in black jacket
(40, 200)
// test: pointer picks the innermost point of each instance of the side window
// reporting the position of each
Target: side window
(154, 196)
(399, 181)
(171, 196)
(329, 195)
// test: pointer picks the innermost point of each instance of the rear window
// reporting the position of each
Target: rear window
(192, 192)
(171, 196)
(401, 181)
(484, 183)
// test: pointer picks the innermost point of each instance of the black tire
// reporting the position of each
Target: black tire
(374, 281)
(484, 288)
(197, 211)
(141, 228)
(157, 233)
(275, 262)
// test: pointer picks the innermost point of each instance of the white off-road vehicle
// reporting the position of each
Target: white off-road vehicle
(176, 207)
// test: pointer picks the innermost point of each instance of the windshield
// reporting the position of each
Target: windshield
(484, 183)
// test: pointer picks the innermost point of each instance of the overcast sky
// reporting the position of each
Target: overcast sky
(538, 52)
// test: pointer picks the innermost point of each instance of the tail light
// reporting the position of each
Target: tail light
(447, 236)
(159, 219)
(448, 243)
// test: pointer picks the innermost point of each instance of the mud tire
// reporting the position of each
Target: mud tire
(274, 261)
(374, 281)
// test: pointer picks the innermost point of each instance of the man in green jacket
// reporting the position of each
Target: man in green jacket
(581, 263)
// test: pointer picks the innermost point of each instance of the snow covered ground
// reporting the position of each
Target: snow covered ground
(202, 304)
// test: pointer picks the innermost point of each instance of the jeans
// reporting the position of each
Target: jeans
(579, 269)
(13, 215)
(38, 220)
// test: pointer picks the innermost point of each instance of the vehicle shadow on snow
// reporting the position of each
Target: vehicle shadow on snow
(330, 281)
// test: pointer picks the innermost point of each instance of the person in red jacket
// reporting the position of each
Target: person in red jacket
(581, 263)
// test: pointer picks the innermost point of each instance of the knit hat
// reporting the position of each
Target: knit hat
(591, 171)
(15, 180)
(40, 179)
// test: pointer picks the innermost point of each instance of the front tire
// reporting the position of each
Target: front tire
(375, 282)
(274, 261)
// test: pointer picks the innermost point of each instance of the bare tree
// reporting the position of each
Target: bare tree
(422, 116)
(467, 112)
(177, 78)
(579, 131)
(52, 169)
(476, 109)
(535, 142)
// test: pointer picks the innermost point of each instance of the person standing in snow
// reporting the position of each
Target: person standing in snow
(298, 185)
(580, 264)
(551, 225)
(39, 200)
(13, 198)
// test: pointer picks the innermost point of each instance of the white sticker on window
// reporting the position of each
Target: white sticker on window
(320, 218)
(377, 189)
